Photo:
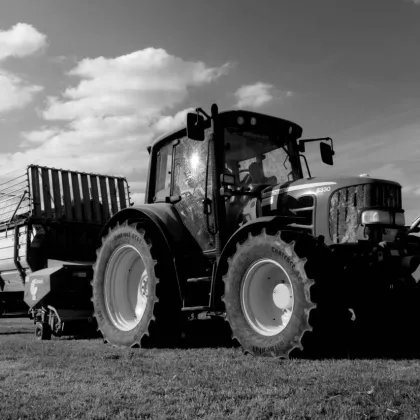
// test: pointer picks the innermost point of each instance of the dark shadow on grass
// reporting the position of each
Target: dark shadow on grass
(13, 315)
(15, 333)
(208, 333)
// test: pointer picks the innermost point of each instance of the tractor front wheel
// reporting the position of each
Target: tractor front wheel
(267, 296)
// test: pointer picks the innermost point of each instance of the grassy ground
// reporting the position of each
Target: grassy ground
(68, 378)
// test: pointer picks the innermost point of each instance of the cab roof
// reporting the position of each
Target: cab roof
(264, 123)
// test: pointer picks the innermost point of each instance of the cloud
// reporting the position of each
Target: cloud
(151, 79)
(20, 41)
(111, 111)
(416, 1)
(15, 93)
(256, 95)
(168, 123)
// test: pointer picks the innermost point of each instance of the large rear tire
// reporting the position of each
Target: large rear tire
(133, 294)
(267, 296)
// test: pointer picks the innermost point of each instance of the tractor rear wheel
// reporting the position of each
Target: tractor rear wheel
(267, 295)
(133, 308)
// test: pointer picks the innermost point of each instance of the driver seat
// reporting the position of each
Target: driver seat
(256, 173)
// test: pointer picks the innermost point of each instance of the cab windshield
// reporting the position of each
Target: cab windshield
(256, 158)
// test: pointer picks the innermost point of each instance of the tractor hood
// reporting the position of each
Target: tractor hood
(321, 185)
(331, 206)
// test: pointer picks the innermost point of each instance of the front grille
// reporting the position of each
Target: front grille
(346, 202)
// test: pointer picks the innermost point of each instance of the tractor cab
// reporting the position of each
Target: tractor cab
(215, 170)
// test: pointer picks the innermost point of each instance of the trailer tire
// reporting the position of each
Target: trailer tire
(267, 296)
(42, 331)
(134, 296)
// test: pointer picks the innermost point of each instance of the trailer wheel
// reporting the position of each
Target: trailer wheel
(132, 307)
(42, 331)
(267, 296)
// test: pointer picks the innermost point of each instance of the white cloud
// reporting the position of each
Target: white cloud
(150, 79)
(167, 123)
(20, 41)
(256, 95)
(39, 136)
(15, 93)
(104, 122)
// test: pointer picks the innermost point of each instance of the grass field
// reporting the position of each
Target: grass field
(67, 378)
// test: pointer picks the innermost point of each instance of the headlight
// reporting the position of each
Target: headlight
(382, 217)
(376, 216)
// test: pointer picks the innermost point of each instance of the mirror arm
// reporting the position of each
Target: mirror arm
(302, 143)
(202, 112)
(306, 163)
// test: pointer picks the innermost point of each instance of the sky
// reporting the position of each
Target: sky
(88, 84)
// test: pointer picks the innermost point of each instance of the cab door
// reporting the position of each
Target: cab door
(189, 182)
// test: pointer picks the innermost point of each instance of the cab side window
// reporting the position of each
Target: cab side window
(189, 182)
(163, 173)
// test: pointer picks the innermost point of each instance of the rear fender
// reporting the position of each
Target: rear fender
(175, 237)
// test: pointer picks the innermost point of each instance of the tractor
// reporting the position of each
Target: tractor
(232, 228)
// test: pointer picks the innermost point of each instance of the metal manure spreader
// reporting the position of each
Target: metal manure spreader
(50, 221)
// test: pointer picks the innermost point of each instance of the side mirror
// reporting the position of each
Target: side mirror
(195, 126)
(327, 153)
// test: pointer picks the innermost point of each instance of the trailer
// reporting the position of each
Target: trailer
(50, 222)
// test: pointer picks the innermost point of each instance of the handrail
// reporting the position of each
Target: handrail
(14, 213)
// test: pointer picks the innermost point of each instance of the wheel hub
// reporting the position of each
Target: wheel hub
(283, 296)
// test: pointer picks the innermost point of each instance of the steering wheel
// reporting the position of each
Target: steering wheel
(247, 177)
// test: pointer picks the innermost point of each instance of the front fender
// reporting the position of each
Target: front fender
(255, 226)
(180, 245)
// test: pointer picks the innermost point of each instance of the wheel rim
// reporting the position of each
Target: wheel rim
(126, 288)
(267, 297)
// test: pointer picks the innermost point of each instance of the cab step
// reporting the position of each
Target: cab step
(199, 280)
(195, 308)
